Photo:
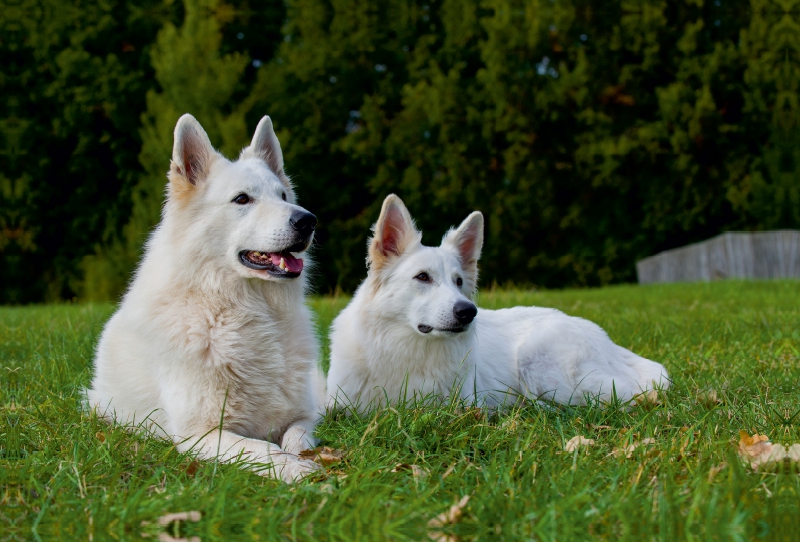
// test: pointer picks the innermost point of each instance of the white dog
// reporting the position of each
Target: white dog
(213, 346)
(409, 330)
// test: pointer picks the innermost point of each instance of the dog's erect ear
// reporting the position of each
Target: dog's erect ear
(192, 152)
(467, 240)
(394, 233)
(265, 145)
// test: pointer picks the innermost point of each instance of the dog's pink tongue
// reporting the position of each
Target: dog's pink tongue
(293, 265)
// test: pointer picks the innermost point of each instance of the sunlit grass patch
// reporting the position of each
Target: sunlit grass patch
(665, 470)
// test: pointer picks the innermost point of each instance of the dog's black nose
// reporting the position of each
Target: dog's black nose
(465, 312)
(303, 222)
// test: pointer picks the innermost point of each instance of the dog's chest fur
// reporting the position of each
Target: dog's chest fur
(252, 358)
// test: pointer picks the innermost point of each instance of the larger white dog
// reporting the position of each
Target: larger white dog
(409, 330)
(213, 346)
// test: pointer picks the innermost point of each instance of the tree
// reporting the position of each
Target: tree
(590, 134)
(74, 77)
(194, 76)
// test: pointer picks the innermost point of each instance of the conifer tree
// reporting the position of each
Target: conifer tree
(590, 134)
(769, 194)
(193, 76)
(72, 84)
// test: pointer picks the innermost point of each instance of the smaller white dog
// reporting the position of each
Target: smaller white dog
(213, 345)
(412, 329)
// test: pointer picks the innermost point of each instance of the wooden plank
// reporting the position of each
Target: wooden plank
(745, 255)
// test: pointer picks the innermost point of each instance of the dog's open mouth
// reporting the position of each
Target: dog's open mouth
(277, 264)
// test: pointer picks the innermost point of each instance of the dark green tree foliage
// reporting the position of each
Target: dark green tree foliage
(75, 80)
(74, 75)
(591, 134)
(332, 90)
(193, 75)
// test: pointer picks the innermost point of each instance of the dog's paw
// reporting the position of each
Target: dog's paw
(297, 469)
(297, 439)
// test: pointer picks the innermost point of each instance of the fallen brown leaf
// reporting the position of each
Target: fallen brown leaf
(648, 398)
(167, 519)
(716, 470)
(100, 436)
(578, 442)
(451, 516)
(192, 468)
(709, 398)
(166, 537)
(628, 450)
(323, 455)
(600, 427)
(193, 516)
(416, 470)
(758, 450)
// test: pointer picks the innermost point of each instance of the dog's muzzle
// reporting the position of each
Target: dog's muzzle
(283, 264)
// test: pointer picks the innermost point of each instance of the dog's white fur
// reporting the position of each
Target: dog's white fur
(200, 339)
(378, 351)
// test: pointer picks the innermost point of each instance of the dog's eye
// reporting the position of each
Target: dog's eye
(242, 199)
(423, 277)
(284, 196)
(459, 282)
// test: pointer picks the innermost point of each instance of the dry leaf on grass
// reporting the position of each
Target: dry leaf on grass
(578, 442)
(709, 398)
(193, 516)
(648, 398)
(100, 436)
(600, 427)
(758, 450)
(716, 470)
(192, 468)
(416, 470)
(168, 519)
(628, 450)
(447, 518)
(323, 455)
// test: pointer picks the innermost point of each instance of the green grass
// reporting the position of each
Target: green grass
(63, 470)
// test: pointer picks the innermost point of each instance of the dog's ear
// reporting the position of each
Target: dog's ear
(467, 241)
(192, 153)
(394, 233)
(265, 145)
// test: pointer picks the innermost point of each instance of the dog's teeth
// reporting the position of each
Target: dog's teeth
(256, 254)
(282, 265)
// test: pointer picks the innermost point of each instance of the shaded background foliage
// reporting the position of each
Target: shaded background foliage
(590, 134)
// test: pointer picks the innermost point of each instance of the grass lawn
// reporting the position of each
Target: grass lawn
(732, 348)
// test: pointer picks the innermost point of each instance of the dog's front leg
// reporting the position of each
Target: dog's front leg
(229, 447)
(299, 437)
